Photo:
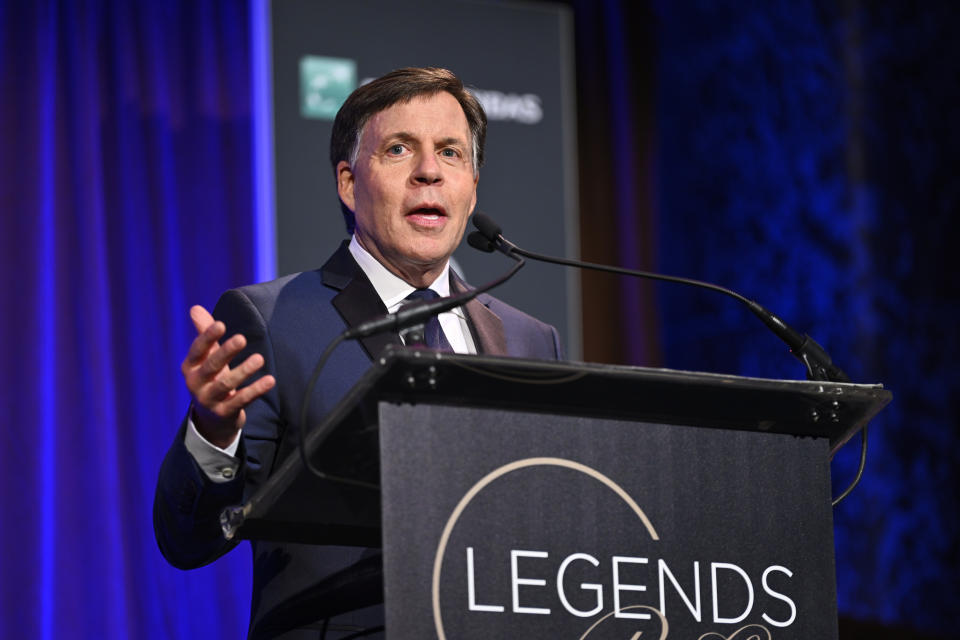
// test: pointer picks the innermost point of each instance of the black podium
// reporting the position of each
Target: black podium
(528, 499)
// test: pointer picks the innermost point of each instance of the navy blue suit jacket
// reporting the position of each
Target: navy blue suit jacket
(290, 321)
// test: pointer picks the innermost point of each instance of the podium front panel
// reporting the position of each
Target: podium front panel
(511, 524)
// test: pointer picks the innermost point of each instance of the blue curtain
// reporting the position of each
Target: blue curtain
(125, 189)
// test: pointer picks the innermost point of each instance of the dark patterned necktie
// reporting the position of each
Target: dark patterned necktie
(433, 333)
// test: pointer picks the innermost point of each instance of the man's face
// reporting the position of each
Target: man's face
(412, 186)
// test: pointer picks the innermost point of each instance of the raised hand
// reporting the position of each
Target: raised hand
(217, 397)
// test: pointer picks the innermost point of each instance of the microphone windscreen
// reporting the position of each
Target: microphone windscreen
(478, 241)
(486, 225)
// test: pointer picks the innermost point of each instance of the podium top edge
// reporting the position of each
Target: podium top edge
(393, 355)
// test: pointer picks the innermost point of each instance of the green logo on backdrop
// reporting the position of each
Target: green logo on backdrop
(324, 85)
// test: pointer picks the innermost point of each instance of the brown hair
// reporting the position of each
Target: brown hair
(401, 85)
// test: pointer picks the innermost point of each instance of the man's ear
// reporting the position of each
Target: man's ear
(345, 183)
(473, 203)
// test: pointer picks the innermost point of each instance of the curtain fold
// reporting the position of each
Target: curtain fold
(126, 195)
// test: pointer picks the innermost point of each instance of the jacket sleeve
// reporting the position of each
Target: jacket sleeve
(187, 504)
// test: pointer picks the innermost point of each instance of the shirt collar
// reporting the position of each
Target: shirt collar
(392, 289)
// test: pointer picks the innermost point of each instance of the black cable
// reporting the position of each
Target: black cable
(364, 632)
(863, 463)
(563, 378)
(304, 407)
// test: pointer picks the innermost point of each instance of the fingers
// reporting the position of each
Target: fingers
(201, 318)
(209, 332)
(204, 343)
(214, 385)
(220, 356)
(242, 397)
(229, 379)
(204, 351)
(212, 379)
(230, 409)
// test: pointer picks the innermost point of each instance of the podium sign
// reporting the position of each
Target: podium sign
(527, 499)
(503, 524)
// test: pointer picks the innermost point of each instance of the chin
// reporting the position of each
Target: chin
(431, 253)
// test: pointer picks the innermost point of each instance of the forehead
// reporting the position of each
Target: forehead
(431, 117)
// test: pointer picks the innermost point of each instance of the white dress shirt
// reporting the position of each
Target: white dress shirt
(393, 291)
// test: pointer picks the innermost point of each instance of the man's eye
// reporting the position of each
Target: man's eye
(450, 153)
(396, 149)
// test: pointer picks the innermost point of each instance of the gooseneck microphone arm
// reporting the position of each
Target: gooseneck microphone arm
(819, 366)
(817, 361)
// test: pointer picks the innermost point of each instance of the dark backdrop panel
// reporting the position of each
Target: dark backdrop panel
(515, 55)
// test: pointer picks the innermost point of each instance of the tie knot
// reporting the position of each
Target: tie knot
(422, 294)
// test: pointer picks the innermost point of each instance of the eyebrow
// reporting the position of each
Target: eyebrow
(404, 136)
(453, 142)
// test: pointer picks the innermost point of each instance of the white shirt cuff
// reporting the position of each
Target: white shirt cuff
(220, 465)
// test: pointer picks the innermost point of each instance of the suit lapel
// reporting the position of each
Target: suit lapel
(488, 327)
(358, 300)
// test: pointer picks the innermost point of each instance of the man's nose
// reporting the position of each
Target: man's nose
(427, 170)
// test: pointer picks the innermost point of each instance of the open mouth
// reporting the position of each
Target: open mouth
(428, 213)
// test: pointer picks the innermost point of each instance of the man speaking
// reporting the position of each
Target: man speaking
(406, 151)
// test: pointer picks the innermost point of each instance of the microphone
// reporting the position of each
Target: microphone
(403, 317)
(408, 315)
(814, 357)
(478, 241)
(488, 228)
